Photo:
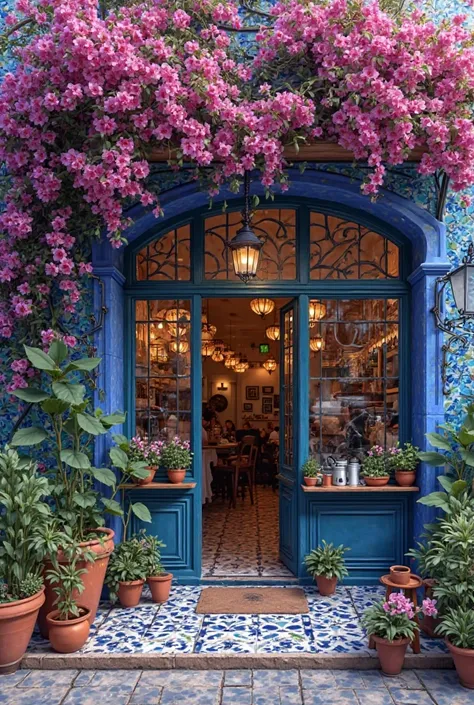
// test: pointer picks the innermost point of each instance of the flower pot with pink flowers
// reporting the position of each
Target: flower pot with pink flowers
(176, 457)
(144, 457)
(404, 460)
(392, 626)
(375, 467)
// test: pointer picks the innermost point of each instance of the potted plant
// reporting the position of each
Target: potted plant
(71, 428)
(457, 625)
(176, 457)
(326, 564)
(158, 580)
(24, 527)
(404, 461)
(391, 625)
(69, 624)
(310, 472)
(374, 467)
(141, 455)
(127, 571)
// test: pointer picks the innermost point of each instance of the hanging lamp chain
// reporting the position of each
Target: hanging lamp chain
(246, 212)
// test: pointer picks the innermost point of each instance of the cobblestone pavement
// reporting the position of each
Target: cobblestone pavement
(245, 687)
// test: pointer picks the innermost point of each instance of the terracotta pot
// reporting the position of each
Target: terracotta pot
(92, 579)
(129, 592)
(405, 478)
(67, 636)
(310, 481)
(327, 480)
(150, 477)
(464, 663)
(17, 621)
(400, 574)
(160, 586)
(391, 654)
(377, 481)
(326, 586)
(176, 476)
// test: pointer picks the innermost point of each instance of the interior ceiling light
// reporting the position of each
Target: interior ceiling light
(217, 355)
(158, 351)
(270, 364)
(317, 310)
(207, 348)
(231, 361)
(273, 332)
(262, 306)
(179, 346)
(175, 316)
(316, 344)
(208, 331)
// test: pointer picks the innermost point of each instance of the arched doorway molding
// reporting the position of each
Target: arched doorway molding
(389, 214)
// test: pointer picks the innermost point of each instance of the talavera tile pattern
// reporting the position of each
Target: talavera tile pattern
(251, 687)
(332, 626)
(243, 542)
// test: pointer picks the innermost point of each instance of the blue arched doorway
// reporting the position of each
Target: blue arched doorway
(406, 234)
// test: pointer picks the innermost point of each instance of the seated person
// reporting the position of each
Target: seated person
(274, 436)
(229, 431)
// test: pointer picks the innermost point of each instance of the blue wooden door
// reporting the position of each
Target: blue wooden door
(289, 430)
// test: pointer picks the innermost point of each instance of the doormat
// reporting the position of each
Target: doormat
(269, 600)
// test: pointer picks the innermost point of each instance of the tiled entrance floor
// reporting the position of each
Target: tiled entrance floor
(243, 541)
(332, 627)
(292, 687)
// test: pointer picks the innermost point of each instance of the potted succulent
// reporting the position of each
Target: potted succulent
(127, 571)
(310, 472)
(69, 623)
(176, 457)
(391, 625)
(143, 457)
(71, 427)
(404, 461)
(24, 529)
(326, 564)
(158, 580)
(374, 467)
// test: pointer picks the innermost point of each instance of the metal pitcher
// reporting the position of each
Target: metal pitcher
(353, 473)
(339, 473)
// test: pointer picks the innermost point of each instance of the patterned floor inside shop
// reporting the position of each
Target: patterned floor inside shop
(243, 541)
(332, 626)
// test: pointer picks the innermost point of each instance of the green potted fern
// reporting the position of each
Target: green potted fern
(310, 471)
(326, 564)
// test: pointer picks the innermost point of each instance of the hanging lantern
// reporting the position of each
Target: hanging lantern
(217, 355)
(246, 246)
(230, 362)
(316, 344)
(273, 332)
(208, 331)
(158, 352)
(317, 310)
(240, 366)
(270, 364)
(173, 317)
(262, 306)
(207, 348)
(462, 284)
(179, 346)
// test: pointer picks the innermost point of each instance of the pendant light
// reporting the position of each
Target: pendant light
(262, 306)
(270, 364)
(273, 332)
(240, 366)
(316, 344)
(231, 361)
(317, 310)
(246, 246)
(218, 354)
(207, 348)
(179, 346)
(158, 352)
(175, 316)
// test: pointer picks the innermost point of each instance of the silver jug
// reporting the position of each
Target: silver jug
(353, 473)
(339, 473)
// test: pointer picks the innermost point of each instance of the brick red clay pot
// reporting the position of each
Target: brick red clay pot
(391, 654)
(160, 586)
(176, 476)
(93, 578)
(67, 636)
(376, 481)
(150, 477)
(129, 592)
(464, 663)
(310, 481)
(405, 478)
(17, 621)
(326, 586)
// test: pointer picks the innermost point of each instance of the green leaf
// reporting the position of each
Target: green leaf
(112, 507)
(120, 439)
(113, 419)
(55, 406)
(72, 393)
(58, 351)
(438, 441)
(140, 511)
(90, 424)
(459, 487)
(118, 458)
(104, 475)
(39, 359)
(445, 482)
(75, 459)
(31, 395)
(30, 436)
(433, 458)
(83, 500)
(435, 499)
(139, 471)
(468, 457)
(466, 437)
(87, 364)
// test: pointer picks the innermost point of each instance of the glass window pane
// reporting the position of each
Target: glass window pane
(341, 249)
(167, 258)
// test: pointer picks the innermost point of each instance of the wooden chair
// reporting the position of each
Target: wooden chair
(242, 464)
(245, 469)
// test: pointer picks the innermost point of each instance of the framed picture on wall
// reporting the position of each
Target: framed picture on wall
(248, 406)
(267, 405)
(252, 393)
(276, 401)
(267, 390)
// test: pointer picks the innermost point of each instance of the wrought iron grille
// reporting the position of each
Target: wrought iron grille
(167, 258)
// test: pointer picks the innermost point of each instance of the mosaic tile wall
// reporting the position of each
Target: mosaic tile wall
(404, 181)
